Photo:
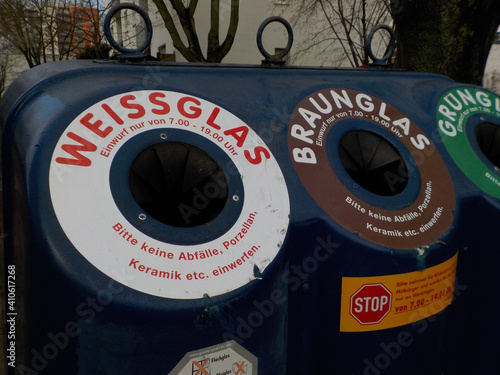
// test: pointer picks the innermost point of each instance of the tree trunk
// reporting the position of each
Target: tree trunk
(446, 37)
(216, 51)
(192, 52)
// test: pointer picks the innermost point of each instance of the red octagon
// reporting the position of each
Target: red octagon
(371, 303)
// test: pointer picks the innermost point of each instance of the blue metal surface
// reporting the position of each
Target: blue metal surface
(74, 319)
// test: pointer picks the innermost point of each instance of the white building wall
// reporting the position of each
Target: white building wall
(491, 79)
(492, 70)
(16, 65)
(244, 50)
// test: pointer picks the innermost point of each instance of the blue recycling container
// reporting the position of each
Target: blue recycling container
(231, 219)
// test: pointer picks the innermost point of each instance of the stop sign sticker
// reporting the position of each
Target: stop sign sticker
(374, 303)
(371, 303)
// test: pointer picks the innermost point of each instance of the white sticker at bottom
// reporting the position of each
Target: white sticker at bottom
(228, 358)
(83, 202)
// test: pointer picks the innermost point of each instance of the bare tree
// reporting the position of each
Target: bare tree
(450, 37)
(184, 12)
(4, 68)
(49, 30)
(335, 31)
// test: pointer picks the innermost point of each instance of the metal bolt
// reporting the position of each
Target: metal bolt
(142, 217)
(305, 288)
(163, 136)
(236, 198)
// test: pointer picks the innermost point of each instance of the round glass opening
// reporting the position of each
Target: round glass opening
(373, 163)
(488, 140)
(178, 184)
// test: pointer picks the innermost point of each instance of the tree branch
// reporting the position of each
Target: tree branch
(224, 48)
(172, 30)
(189, 28)
(333, 28)
(213, 34)
(192, 7)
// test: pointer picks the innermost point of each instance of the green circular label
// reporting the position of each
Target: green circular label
(454, 110)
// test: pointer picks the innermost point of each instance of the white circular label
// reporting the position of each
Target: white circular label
(84, 205)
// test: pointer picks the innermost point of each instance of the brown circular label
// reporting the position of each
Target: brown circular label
(421, 221)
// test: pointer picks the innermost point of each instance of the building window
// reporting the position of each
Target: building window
(162, 54)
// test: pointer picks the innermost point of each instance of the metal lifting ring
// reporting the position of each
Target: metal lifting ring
(390, 51)
(276, 58)
(128, 52)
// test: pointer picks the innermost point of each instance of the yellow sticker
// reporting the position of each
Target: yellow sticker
(381, 302)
